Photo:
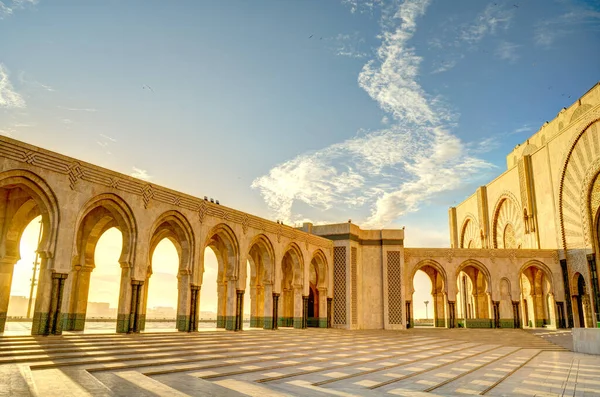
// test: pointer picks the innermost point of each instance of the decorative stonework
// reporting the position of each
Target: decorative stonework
(461, 254)
(74, 174)
(339, 293)
(394, 282)
(507, 212)
(354, 283)
(469, 235)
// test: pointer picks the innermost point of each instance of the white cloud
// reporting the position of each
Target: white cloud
(34, 83)
(493, 18)
(108, 138)
(362, 6)
(7, 8)
(67, 121)
(577, 16)
(389, 172)
(140, 174)
(8, 97)
(349, 45)
(445, 66)
(507, 51)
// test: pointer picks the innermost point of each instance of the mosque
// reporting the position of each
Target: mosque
(523, 247)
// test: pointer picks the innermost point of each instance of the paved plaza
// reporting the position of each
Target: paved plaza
(312, 362)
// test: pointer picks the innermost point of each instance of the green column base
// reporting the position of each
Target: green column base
(267, 322)
(74, 321)
(2, 321)
(122, 323)
(479, 323)
(142, 320)
(322, 322)
(39, 323)
(230, 323)
(539, 323)
(507, 323)
(440, 322)
(220, 321)
(257, 322)
(183, 323)
(298, 322)
(285, 322)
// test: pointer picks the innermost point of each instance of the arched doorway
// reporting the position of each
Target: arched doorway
(429, 295)
(537, 296)
(317, 293)
(223, 243)
(473, 297)
(23, 197)
(260, 282)
(98, 217)
(292, 282)
(582, 310)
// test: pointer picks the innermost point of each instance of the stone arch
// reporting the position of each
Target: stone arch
(99, 214)
(428, 263)
(318, 282)
(39, 199)
(580, 168)
(222, 240)
(507, 212)
(320, 261)
(470, 233)
(537, 294)
(261, 256)
(292, 287)
(474, 294)
(175, 227)
(439, 289)
(582, 307)
(505, 305)
(296, 258)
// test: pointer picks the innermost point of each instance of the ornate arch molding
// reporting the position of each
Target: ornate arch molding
(581, 165)
(297, 259)
(481, 267)
(263, 245)
(321, 267)
(470, 230)
(541, 266)
(45, 200)
(117, 214)
(174, 226)
(222, 238)
(424, 263)
(503, 215)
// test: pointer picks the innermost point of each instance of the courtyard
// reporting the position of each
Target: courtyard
(311, 362)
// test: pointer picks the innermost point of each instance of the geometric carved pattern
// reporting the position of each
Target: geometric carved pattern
(580, 166)
(354, 273)
(508, 214)
(394, 274)
(339, 285)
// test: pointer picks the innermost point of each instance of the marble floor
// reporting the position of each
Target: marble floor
(289, 362)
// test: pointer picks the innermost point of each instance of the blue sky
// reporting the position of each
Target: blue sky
(385, 112)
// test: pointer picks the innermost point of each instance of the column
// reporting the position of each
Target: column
(221, 304)
(6, 272)
(566, 286)
(298, 308)
(230, 308)
(323, 311)
(253, 306)
(183, 300)
(144, 304)
(304, 311)
(516, 314)
(329, 312)
(54, 324)
(408, 315)
(269, 307)
(124, 309)
(451, 314)
(496, 310)
(194, 306)
(134, 311)
(43, 298)
(275, 310)
(239, 311)
(595, 288)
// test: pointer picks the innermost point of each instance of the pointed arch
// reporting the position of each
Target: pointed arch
(174, 226)
(320, 262)
(224, 243)
(469, 233)
(507, 214)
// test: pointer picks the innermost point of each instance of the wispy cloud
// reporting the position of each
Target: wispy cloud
(140, 174)
(444, 66)
(578, 16)
(507, 51)
(362, 6)
(9, 98)
(34, 83)
(495, 16)
(67, 121)
(78, 109)
(349, 45)
(389, 172)
(8, 8)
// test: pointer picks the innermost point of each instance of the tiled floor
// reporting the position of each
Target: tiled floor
(312, 362)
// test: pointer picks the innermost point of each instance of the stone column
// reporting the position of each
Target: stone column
(221, 304)
(322, 307)
(253, 306)
(275, 310)
(329, 312)
(6, 272)
(496, 312)
(183, 300)
(298, 307)
(124, 308)
(304, 312)
(595, 287)
(269, 307)
(54, 324)
(239, 312)
(79, 298)
(194, 306)
(134, 311)
(567, 287)
(144, 304)
(43, 298)
(259, 306)
(409, 319)
(451, 314)
(230, 308)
